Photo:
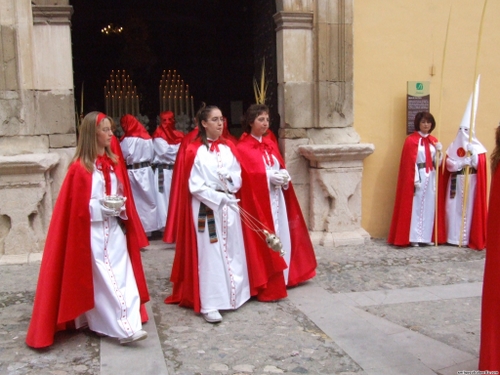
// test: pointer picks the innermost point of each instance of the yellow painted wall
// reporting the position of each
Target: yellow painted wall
(396, 41)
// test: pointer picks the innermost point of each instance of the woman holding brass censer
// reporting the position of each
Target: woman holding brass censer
(91, 272)
(267, 195)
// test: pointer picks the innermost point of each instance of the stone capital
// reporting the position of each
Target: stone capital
(293, 20)
(52, 14)
(318, 155)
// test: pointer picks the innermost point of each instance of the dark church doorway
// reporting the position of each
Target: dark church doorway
(217, 47)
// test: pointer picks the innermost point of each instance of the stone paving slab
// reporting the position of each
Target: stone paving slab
(142, 357)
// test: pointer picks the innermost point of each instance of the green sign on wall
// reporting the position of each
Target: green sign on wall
(417, 100)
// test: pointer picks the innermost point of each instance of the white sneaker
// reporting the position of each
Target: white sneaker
(139, 335)
(212, 316)
(414, 244)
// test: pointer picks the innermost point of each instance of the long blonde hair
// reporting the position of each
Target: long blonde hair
(86, 150)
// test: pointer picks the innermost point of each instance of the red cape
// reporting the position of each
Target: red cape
(399, 233)
(65, 286)
(169, 235)
(265, 266)
(477, 237)
(489, 353)
(184, 276)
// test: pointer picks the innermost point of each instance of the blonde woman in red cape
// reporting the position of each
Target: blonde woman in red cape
(91, 272)
(489, 353)
(267, 194)
(413, 215)
(166, 143)
(209, 273)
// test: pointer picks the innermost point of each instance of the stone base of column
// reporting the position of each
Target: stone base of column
(357, 237)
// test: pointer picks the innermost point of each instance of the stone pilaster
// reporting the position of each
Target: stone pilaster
(36, 116)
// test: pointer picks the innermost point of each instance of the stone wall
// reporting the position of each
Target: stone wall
(37, 120)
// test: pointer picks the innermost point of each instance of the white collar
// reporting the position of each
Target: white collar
(257, 138)
(423, 135)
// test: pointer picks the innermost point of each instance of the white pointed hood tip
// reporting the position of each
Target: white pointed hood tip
(458, 148)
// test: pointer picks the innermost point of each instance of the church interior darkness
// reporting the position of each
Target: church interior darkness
(216, 46)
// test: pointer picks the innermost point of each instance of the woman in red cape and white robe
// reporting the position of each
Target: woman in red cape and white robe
(413, 215)
(209, 271)
(98, 278)
(268, 196)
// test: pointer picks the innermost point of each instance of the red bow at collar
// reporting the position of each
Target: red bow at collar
(104, 164)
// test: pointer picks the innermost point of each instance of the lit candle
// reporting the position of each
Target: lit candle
(175, 104)
(120, 106)
(164, 104)
(181, 102)
(192, 107)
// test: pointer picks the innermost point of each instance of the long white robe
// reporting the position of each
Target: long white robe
(280, 216)
(222, 266)
(164, 153)
(454, 205)
(138, 150)
(116, 312)
(422, 215)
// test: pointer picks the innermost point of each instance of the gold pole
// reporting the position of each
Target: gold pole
(471, 122)
(438, 153)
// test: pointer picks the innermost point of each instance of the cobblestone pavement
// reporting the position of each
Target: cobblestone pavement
(261, 338)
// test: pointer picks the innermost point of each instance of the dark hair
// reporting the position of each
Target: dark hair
(495, 156)
(202, 115)
(254, 111)
(424, 116)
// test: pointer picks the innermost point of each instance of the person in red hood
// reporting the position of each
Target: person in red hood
(138, 151)
(91, 272)
(166, 143)
(267, 194)
(413, 216)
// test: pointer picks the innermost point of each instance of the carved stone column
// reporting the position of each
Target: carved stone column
(335, 193)
(25, 204)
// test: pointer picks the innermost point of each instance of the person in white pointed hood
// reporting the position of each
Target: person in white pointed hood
(466, 150)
